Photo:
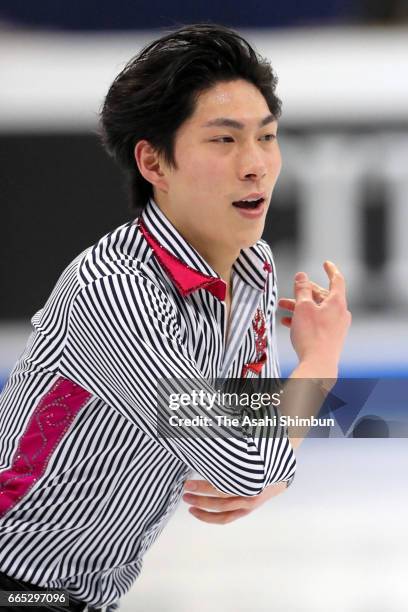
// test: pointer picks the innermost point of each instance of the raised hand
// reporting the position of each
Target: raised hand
(320, 318)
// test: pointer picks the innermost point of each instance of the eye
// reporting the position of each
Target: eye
(223, 139)
(268, 137)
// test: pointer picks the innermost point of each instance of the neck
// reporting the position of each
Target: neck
(220, 262)
(217, 255)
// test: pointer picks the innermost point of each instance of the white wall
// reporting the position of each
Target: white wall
(349, 75)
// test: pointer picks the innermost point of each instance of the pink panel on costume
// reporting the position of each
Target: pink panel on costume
(47, 426)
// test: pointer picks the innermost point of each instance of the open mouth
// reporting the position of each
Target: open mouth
(249, 204)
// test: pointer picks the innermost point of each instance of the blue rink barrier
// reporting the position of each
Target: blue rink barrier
(363, 406)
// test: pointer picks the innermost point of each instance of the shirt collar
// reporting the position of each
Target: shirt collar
(186, 267)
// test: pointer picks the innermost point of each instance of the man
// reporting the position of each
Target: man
(186, 290)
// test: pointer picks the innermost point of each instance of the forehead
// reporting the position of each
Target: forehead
(235, 99)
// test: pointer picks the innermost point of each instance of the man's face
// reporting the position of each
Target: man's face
(225, 152)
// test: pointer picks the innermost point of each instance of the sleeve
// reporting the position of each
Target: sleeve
(123, 337)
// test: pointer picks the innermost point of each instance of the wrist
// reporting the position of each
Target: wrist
(317, 367)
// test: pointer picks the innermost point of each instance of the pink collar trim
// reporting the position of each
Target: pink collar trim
(183, 276)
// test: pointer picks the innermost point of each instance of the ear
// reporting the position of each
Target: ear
(150, 165)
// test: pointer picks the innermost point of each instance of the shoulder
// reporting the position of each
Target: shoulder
(111, 275)
(128, 298)
(120, 251)
(114, 273)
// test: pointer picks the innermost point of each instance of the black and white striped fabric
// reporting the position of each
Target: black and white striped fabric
(115, 323)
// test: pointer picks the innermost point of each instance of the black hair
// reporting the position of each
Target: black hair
(158, 89)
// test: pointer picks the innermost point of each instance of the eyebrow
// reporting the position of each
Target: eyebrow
(233, 123)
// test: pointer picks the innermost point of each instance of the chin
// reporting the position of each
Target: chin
(250, 238)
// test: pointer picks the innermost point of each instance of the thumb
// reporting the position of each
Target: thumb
(302, 287)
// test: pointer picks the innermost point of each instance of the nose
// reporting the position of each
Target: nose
(252, 163)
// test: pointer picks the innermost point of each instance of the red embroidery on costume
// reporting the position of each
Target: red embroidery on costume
(45, 430)
(185, 278)
(267, 266)
(259, 327)
(255, 366)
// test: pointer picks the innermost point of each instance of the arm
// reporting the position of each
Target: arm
(123, 336)
(318, 328)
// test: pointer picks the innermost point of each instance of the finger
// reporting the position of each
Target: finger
(217, 518)
(302, 288)
(287, 304)
(218, 504)
(319, 293)
(286, 321)
(336, 279)
(203, 487)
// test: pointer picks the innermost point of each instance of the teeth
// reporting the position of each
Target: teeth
(247, 203)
